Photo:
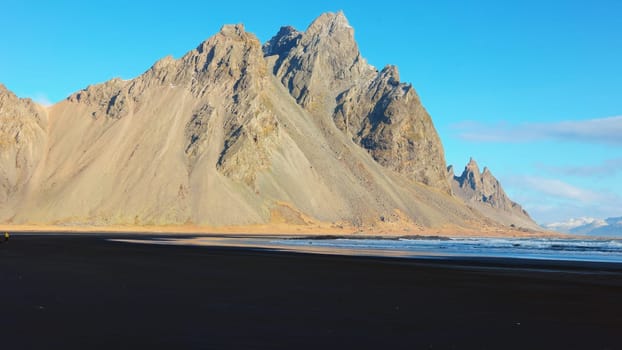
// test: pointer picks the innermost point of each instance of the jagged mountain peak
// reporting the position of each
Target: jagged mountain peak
(477, 181)
(164, 62)
(330, 23)
(483, 192)
(321, 62)
(231, 45)
(472, 166)
(486, 172)
(233, 30)
(470, 177)
(389, 75)
(229, 35)
(287, 31)
(282, 42)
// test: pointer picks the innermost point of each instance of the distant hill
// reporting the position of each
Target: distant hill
(590, 226)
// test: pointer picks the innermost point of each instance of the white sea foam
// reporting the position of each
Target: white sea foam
(539, 248)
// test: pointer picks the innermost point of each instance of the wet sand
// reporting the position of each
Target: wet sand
(85, 292)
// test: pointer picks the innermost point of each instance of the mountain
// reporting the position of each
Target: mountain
(579, 225)
(483, 192)
(589, 226)
(323, 70)
(612, 227)
(300, 130)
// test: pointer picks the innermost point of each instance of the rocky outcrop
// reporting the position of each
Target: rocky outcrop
(23, 126)
(109, 99)
(320, 63)
(387, 118)
(324, 71)
(483, 192)
(282, 43)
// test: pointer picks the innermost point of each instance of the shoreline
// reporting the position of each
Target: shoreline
(375, 246)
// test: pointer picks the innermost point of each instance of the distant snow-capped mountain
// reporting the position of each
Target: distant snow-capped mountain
(589, 226)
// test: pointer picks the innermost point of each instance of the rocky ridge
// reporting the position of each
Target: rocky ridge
(483, 192)
(22, 141)
(325, 72)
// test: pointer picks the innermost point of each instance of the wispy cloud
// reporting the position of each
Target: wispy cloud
(601, 130)
(560, 189)
(549, 200)
(608, 167)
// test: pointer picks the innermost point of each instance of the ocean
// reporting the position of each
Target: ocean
(606, 250)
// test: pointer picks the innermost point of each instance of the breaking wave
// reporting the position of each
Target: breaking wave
(537, 248)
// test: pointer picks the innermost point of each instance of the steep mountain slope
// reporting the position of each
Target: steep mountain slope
(300, 130)
(483, 192)
(213, 139)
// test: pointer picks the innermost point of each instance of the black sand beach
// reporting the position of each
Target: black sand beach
(84, 292)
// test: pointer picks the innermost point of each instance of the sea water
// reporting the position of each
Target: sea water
(528, 248)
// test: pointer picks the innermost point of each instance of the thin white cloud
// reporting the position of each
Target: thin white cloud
(551, 200)
(600, 130)
(608, 167)
(560, 189)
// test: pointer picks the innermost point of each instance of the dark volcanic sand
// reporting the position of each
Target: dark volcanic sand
(87, 292)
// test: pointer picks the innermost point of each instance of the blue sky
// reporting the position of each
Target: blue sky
(531, 89)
